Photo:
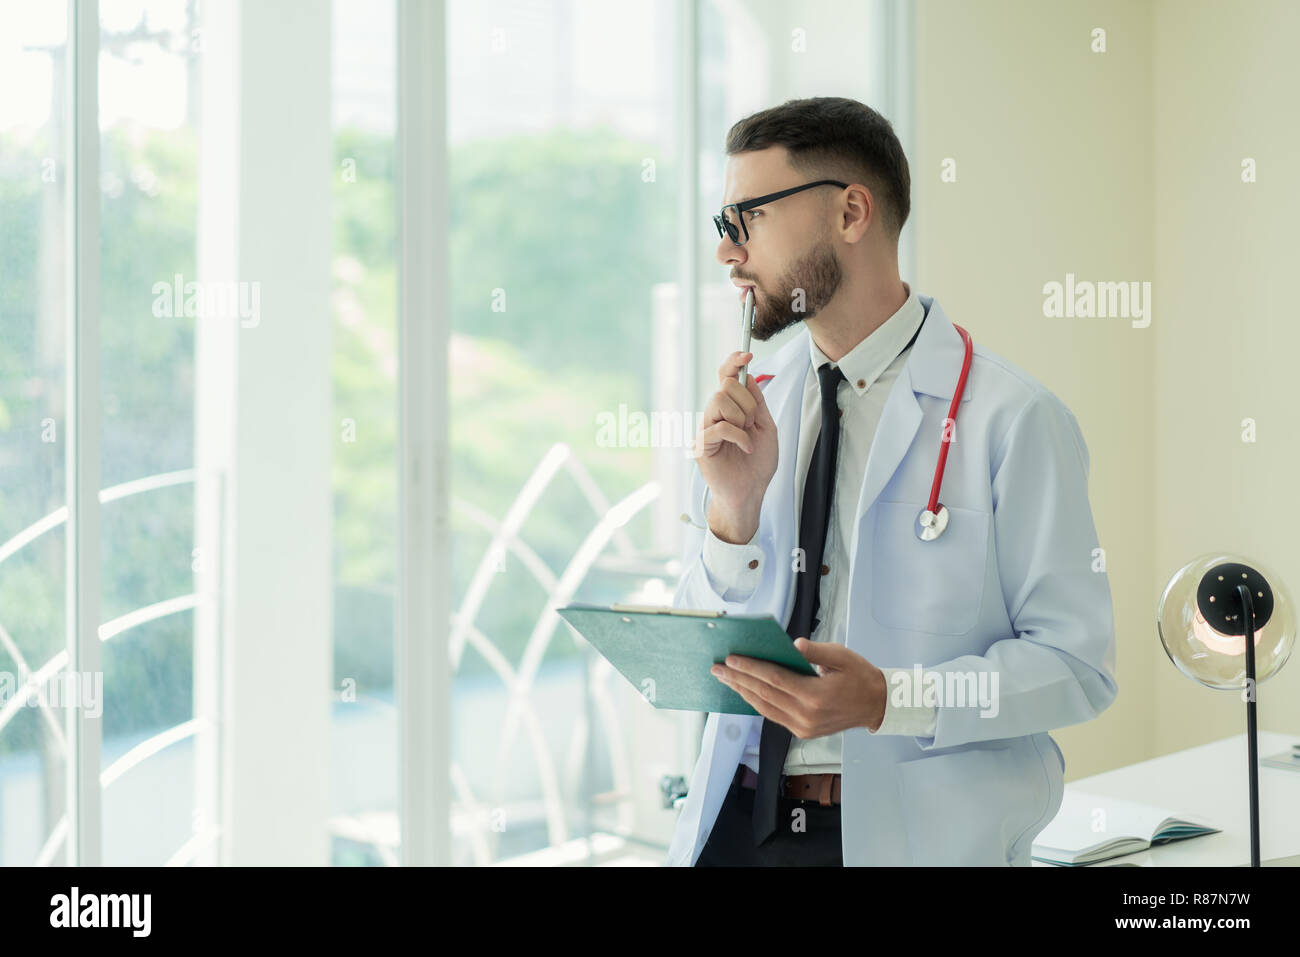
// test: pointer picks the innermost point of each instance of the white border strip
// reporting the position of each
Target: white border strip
(81, 431)
(423, 671)
(690, 255)
(689, 251)
(898, 19)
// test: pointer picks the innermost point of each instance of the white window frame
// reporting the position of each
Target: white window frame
(422, 660)
(81, 164)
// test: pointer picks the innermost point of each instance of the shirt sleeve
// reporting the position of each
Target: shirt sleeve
(734, 571)
(916, 720)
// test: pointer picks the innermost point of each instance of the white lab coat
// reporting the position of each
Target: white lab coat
(1015, 584)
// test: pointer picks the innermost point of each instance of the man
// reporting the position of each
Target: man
(942, 663)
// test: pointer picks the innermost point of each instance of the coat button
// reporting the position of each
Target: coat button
(826, 569)
(754, 563)
(862, 383)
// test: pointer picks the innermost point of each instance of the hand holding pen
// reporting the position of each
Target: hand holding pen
(736, 447)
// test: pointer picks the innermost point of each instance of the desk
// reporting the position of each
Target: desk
(1210, 781)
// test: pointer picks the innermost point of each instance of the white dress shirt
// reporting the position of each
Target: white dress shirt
(870, 369)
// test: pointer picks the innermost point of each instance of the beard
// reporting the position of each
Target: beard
(817, 273)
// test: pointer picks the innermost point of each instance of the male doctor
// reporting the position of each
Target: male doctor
(942, 663)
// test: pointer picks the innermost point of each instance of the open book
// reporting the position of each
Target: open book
(1091, 828)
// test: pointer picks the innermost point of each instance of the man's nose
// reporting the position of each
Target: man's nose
(728, 252)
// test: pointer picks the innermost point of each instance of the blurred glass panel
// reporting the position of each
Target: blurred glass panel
(149, 58)
(364, 778)
(34, 244)
(562, 150)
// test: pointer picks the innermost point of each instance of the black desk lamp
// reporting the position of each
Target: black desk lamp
(1229, 623)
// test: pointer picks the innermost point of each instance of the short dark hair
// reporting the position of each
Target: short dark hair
(832, 137)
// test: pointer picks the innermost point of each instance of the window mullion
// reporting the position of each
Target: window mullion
(82, 434)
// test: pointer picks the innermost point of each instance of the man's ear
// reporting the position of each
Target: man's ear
(861, 214)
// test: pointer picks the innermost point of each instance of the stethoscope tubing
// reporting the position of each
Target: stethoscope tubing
(949, 434)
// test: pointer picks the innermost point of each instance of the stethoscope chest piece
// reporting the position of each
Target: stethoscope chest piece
(930, 525)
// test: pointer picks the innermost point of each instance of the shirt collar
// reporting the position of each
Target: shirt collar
(863, 364)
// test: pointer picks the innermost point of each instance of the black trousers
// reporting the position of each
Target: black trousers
(731, 842)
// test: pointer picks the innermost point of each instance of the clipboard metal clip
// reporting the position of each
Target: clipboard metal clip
(660, 610)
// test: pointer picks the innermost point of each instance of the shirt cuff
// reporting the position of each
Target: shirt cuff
(733, 568)
(915, 720)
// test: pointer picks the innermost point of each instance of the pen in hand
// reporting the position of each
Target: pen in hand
(746, 327)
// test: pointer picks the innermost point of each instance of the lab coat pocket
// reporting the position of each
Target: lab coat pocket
(934, 587)
(969, 807)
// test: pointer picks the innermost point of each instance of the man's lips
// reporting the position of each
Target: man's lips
(744, 289)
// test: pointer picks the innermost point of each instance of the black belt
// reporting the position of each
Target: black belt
(822, 788)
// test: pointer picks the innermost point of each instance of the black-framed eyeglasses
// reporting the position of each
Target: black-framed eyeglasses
(731, 221)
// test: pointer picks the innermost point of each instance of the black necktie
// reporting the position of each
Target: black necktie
(818, 487)
(813, 520)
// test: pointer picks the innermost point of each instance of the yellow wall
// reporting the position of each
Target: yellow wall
(1225, 84)
(1122, 166)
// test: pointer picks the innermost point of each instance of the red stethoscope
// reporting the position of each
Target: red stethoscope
(934, 518)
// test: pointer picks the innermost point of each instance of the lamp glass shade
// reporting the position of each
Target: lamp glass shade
(1202, 626)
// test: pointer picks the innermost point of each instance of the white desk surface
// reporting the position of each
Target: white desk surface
(1210, 781)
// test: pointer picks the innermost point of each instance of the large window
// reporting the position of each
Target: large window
(246, 308)
(144, 695)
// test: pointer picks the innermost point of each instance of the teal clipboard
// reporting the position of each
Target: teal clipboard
(666, 653)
